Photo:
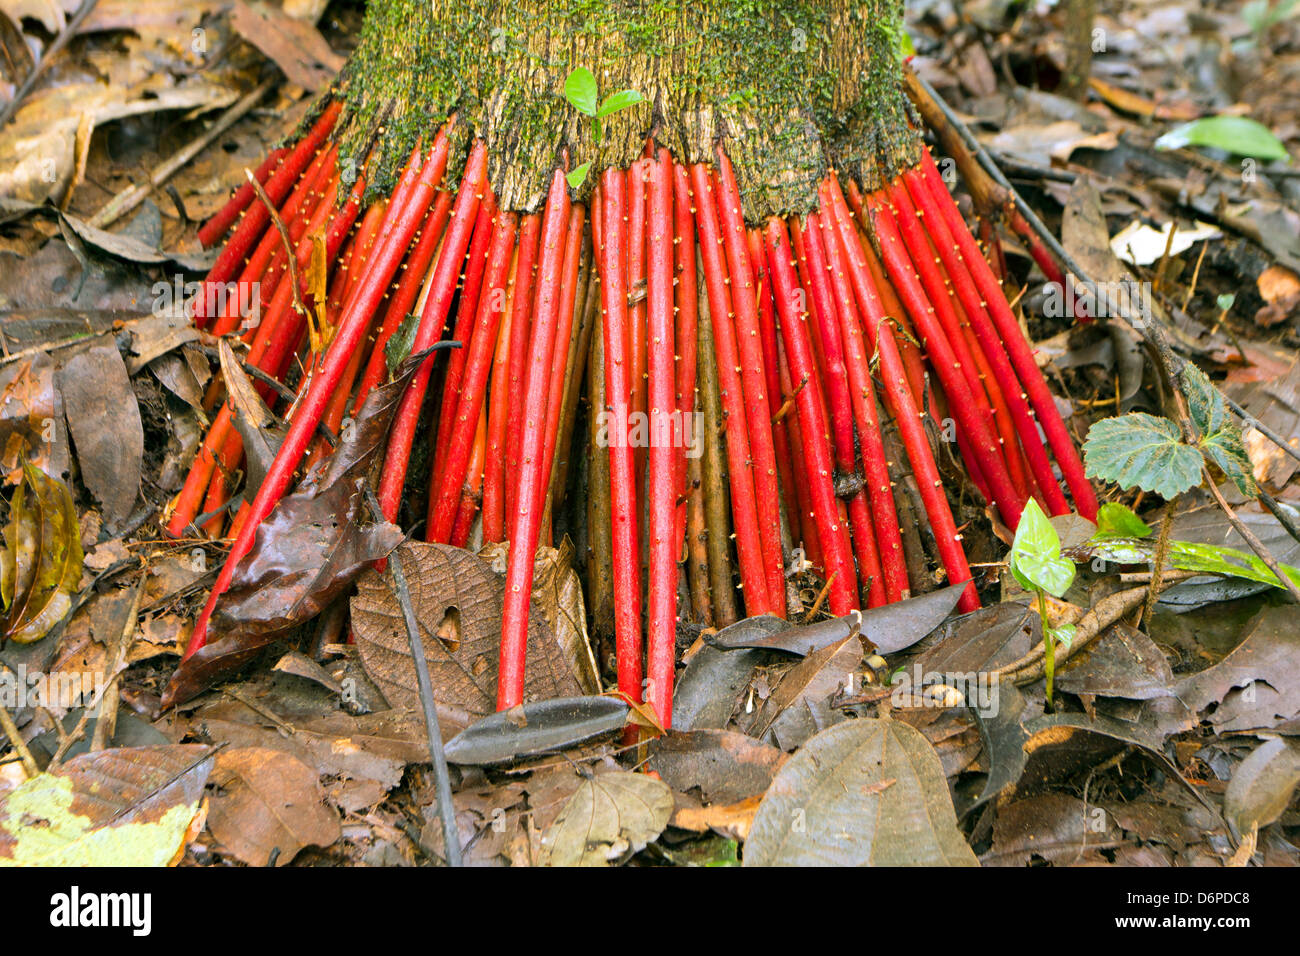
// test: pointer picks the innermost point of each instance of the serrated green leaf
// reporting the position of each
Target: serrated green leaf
(1143, 451)
(1036, 558)
(580, 90)
(577, 176)
(1117, 520)
(616, 102)
(1226, 450)
(1235, 134)
(1220, 438)
(1204, 403)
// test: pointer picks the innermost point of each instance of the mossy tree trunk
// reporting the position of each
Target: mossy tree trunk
(791, 87)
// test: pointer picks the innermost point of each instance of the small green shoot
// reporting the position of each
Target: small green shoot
(583, 94)
(1038, 566)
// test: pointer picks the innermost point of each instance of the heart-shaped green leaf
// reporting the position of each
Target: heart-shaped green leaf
(1036, 558)
(580, 90)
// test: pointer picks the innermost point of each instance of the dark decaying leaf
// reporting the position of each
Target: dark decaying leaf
(1258, 684)
(982, 640)
(268, 800)
(725, 766)
(1028, 750)
(1054, 827)
(707, 691)
(296, 46)
(863, 793)
(307, 552)
(890, 628)
(1004, 735)
(1262, 785)
(1061, 744)
(252, 419)
(457, 601)
(610, 817)
(104, 418)
(536, 728)
(799, 705)
(41, 568)
(370, 747)
(125, 807)
(1123, 662)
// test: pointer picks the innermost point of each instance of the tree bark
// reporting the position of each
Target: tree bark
(790, 87)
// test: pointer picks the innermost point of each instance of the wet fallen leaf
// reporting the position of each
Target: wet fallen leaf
(799, 705)
(296, 46)
(1258, 684)
(1123, 662)
(307, 552)
(536, 728)
(126, 807)
(32, 419)
(1052, 826)
(104, 419)
(828, 805)
(41, 568)
(890, 628)
(610, 817)
(1262, 785)
(707, 691)
(726, 767)
(268, 800)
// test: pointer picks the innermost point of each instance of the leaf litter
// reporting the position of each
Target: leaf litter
(323, 756)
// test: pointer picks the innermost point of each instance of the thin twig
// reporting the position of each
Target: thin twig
(60, 41)
(131, 197)
(289, 251)
(441, 776)
(1250, 538)
(20, 747)
(106, 722)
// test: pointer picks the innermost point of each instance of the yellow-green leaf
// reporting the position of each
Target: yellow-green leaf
(129, 807)
(45, 546)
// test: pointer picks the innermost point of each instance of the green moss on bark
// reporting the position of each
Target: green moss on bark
(789, 87)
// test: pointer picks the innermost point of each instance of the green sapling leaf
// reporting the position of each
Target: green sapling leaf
(580, 90)
(1036, 560)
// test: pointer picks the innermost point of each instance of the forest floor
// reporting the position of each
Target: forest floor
(1174, 740)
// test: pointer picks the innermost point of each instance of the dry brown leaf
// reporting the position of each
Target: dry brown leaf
(268, 800)
(731, 820)
(457, 600)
